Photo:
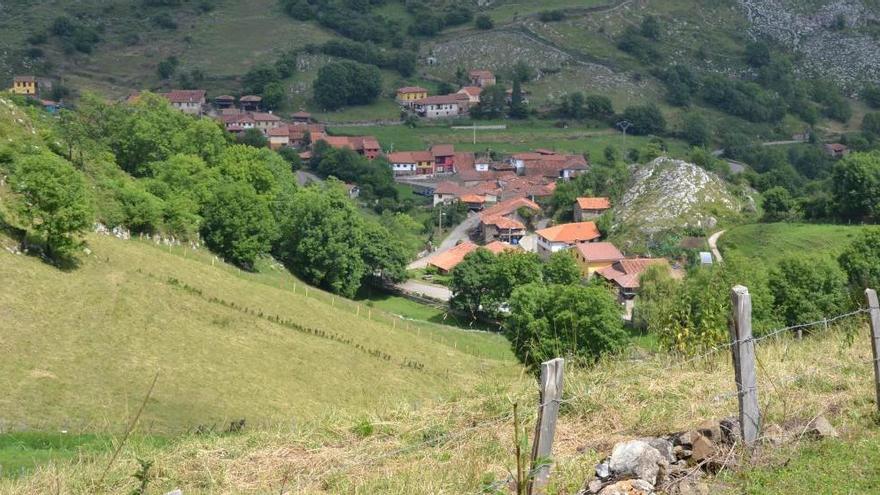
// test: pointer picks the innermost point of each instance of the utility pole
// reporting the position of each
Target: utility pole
(623, 125)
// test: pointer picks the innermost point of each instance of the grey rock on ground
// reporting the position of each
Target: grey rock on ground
(636, 459)
(821, 428)
(629, 487)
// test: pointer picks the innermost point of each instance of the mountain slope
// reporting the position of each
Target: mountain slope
(82, 346)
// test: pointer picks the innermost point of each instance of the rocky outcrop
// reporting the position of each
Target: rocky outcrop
(848, 55)
(668, 195)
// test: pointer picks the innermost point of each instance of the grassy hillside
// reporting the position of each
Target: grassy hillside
(463, 445)
(83, 345)
(772, 242)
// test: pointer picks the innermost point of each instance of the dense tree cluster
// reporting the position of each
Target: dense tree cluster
(346, 83)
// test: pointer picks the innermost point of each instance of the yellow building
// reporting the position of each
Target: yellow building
(24, 85)
(407, 95)
(594, 256)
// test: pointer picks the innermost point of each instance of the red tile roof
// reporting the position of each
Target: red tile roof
(410, 157)
(411, 89)
(250, 99)
(594, 203)
(302, 115)
(24, 78)
(504, 223)
(265, 117)
(281, 131)
(471, 90)
(439, 100)
(443, 150)
(498, 247)
(483, 74)
(626, 273)
(450, 258)
(185, 95)
(508, 207)
(599, 251)
(472, 198)
(570, 232)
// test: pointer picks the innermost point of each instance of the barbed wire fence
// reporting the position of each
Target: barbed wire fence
(746, 361)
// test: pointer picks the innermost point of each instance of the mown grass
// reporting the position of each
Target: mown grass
(81, 347)
(773, 242)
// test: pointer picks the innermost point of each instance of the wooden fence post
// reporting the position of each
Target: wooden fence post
(874, 312)
(545, 427)
(743, 350)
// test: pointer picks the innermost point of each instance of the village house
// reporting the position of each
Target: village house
(250, 103)
(279, 137)
(25, 85)
(444, 158)
(452, 257)
(447, 192)
(224, 101)
(565, 236)
(190, 101)
(367, 146)
(836, 150)
(625, 274)
(411, 162)
(502, 221)
(547, 163)
(408, 95)
(434, 107)
(594, 256)
(589, 208)
(474, 202)
(301, 117)
(266, 121)
(305, 134)
(481, 78)
(237, 122)
(472, 93)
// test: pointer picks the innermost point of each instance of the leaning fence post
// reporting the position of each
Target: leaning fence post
(874, 311)
(743, 350)
(545, 426)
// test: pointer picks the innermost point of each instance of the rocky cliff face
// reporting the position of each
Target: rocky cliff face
(668, 195)
(848, 53)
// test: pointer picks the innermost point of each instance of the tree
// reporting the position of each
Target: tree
(695, 129)
(807, 289)
(238, 224)
(598, 107)
(472, 281)
(167, 67)
(484, 22)
(871, 95)
(650, 27)
(562, 269)
(871, 124)
(492, 102)
(861, 260)
(346, 83)
(55, 202)
(757, 54)
(328, 243)
(257, 78)
(645, 119)
(778, 204)
(563, 320)
(855, 185)
(274, 96)
(522, 72)
(510, 270)
(253, 137)
(517, 107)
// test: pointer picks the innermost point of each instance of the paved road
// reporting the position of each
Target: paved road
(459, 233)
(425, 289)
(303, 177)
(713, 245)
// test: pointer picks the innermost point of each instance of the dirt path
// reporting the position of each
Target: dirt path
(713, 245)
(459, 233)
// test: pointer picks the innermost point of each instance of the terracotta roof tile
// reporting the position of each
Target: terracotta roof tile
(450, 258)
(570, 232)
(599, 251)
(594, 203)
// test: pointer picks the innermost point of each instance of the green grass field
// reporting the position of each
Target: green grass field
(83, 346)
(519, 136)
(772, 242)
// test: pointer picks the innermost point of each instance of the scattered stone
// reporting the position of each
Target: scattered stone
(774, 435)
(629, 487)
(821, 428)
(636, 459)
(603, 471)
(703, 450)
(730, 430)
(680, 452)
(662, 445)
(711, 429)
(686, 439)
(688, 487)
(175, 492)
(594, 486)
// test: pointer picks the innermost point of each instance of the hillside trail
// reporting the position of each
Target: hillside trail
(713, 245)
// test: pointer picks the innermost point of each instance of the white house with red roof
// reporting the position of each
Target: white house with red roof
(191, 101)
(565, 236)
